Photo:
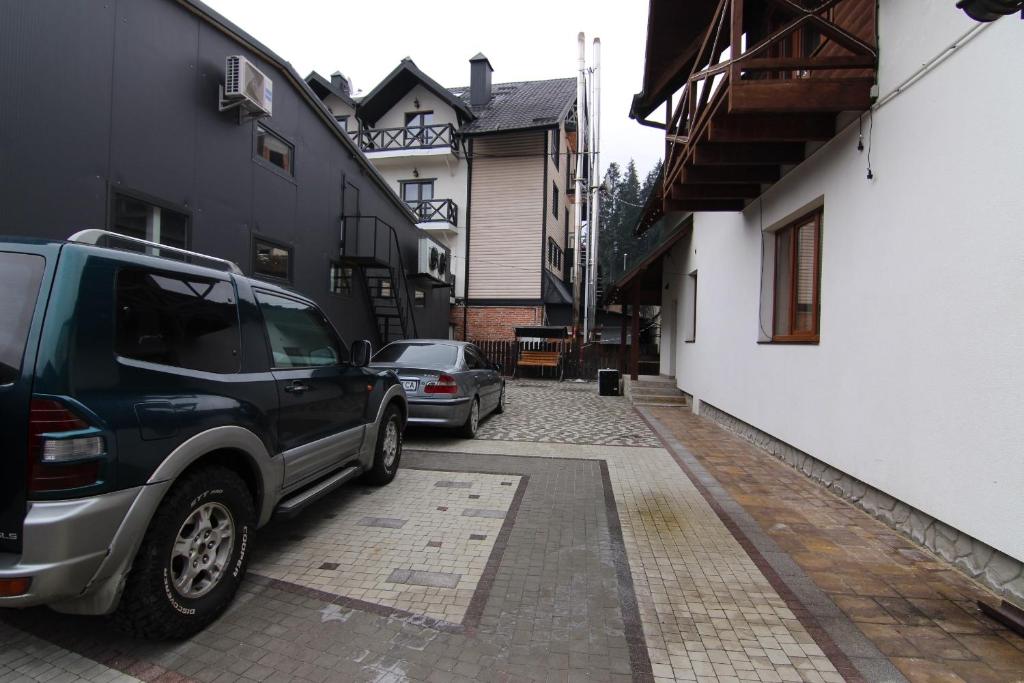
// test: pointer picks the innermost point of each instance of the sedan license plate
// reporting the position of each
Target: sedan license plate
(409, 384)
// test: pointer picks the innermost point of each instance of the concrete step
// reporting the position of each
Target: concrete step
(677, 400)
(654, 381)
(659, 390)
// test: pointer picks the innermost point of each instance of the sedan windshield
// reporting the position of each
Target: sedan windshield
(422, 355)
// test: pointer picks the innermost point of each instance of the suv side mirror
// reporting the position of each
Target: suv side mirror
(361, 353)
(496, 367)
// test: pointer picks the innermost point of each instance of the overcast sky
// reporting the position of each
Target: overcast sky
(525, 40)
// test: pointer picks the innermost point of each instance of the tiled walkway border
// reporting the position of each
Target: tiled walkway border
(854, 656)
(977, 559)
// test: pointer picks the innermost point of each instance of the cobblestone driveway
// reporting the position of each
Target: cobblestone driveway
(568, 542)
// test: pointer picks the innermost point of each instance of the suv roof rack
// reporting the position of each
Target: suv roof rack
(94, 236)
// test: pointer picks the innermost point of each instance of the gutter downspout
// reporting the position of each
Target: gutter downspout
(469, 209)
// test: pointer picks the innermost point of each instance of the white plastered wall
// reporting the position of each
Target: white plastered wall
(917, 384)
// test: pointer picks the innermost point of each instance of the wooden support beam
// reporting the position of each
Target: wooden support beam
(729, 174)
(808, 63)
(771, 128)
(745, 154)
(704, 204)
(800, 95)
(717, 191)
(622, 335)
(634, 342)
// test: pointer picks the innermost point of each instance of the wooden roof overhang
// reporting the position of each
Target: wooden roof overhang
(647, 275)
(766, 78)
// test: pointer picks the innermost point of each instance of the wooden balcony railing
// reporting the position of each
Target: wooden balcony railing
(435, 211)
(769, 76)
(411, 137)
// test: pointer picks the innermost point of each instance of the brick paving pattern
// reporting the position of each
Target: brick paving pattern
(707, 611)
(566, 412)
(369, 534)
(915, 607)
(567, 543)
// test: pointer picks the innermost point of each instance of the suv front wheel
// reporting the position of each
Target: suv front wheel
(192, 558)
(389, 448)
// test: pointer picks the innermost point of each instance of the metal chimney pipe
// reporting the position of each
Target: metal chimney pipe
(582, 145)
(595, 178)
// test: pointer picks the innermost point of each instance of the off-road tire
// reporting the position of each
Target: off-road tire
(469, 430)
(381, 472)
(151, 607)
(500, 408)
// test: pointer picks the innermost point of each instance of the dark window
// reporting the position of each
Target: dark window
(341, 279)
(421, 355)
(554, 253)
(419, 298)
(273, 148)
(299, 334)
(556, 143)
(181, 320)
(554, 199)
(415, 124)
(691, 331)
(798, 280)
(473, 359)
(271, 260)
(342, 120)
(137, 218)
(20, 275)
(414, 193)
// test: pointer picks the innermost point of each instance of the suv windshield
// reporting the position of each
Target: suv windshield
(422, 355)
(19, 286)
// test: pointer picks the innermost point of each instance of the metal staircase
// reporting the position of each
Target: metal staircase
(372, 246)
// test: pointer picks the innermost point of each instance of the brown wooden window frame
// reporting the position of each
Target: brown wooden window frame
(813, 336)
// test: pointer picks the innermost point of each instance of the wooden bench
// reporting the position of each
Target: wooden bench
(540, 359)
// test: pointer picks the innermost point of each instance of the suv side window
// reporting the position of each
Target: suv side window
(299, 334)
(181, 320)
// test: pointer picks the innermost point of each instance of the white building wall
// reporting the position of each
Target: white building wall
(917, 384)
(450, 173)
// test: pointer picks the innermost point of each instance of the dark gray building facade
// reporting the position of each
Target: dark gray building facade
(109, 118)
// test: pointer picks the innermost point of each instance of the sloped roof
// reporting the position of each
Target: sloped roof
(396, 84)
(323, 87)
(555, 292)
(520, 105)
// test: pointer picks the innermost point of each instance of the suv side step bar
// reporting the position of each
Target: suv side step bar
(292, 505)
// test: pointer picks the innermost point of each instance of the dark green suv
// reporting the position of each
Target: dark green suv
(157, 406)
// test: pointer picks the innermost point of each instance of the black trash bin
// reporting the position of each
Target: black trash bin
(608, 382)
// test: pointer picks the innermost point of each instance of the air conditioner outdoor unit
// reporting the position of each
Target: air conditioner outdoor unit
(247, 87)
(434, 261)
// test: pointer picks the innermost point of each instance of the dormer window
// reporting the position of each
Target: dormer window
(342, 120)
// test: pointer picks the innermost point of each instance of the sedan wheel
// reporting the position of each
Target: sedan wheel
(472, 421)
(501, 401)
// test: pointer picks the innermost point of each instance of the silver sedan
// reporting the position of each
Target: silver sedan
(448, 383)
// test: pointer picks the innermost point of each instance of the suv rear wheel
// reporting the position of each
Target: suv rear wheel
(192, 558)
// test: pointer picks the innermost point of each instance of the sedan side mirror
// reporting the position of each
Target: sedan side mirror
(496, 367)
(361, 353)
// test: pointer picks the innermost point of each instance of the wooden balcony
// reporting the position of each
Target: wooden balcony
(436, 214)
(434, 137)
(768, 79)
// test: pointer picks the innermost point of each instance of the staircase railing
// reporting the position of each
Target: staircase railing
(369, 242)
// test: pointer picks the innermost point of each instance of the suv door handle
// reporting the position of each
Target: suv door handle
(296, 387)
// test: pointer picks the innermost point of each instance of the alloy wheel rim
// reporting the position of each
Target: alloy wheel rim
(475, 415)
(390, 444)
(202, 550)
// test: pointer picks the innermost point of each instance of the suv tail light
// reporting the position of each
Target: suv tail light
(62, 454)
(445, 384)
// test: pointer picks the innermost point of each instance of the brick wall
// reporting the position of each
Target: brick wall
(495, 322)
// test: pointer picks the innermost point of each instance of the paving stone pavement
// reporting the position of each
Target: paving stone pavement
(568, 543)
(566, 412)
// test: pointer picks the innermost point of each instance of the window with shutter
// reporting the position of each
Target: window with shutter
(798, 280)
